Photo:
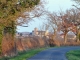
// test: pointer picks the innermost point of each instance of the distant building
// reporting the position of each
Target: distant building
(22, 34)
(36, 32)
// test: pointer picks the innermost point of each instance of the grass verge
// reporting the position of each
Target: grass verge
(25, 55)
(73, 55)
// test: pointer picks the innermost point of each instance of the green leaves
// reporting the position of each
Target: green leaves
(14, 7)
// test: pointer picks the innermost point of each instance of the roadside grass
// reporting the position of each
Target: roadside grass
(25, 55)
(73, 55)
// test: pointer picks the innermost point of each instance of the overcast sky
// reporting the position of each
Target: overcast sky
(52, 5)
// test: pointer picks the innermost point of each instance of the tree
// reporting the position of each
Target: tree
(59, 22)
(13, 9)
(71, 22)
(77, 1)
(53, 22)
(65, 25)
(78, 20)
(74, 16)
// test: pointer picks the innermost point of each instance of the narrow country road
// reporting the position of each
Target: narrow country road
(54, 53)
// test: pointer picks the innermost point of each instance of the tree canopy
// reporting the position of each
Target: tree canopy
(77, 1)
(10, 10)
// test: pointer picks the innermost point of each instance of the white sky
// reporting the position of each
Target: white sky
(52, 5)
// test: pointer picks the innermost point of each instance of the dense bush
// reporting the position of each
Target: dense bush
(30, 43)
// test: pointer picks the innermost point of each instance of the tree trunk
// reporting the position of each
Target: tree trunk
(54, 34)
(78, 36)
(52, 38)
(0, 41)
(65, 37)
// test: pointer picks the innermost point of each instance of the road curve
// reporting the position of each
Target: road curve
(54, 53)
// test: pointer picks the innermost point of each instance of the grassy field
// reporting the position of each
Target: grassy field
(25, 55)
(73, 55)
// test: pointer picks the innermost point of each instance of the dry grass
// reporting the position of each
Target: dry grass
(27, 43)
(58, 41)
(8, 46)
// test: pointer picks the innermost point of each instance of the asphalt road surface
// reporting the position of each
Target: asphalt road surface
(54, 53)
